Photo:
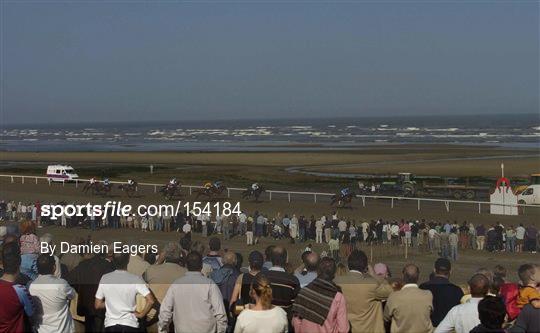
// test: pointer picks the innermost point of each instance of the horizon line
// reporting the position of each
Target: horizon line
(7, 124)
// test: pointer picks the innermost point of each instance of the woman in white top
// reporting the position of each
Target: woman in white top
(262, 317)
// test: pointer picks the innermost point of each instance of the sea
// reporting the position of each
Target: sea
(505, 130)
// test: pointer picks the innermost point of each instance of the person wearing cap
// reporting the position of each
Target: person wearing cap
(445, 294)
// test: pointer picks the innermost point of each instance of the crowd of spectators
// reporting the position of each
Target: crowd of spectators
(341, 234)
(194, 286)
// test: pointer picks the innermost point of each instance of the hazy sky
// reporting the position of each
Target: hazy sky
(116, 60)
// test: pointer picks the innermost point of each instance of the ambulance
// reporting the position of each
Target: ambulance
(61, 173)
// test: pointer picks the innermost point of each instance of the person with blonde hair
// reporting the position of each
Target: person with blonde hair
(262, 317)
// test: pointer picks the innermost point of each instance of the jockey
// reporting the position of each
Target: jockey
(345, 191)
(254, 186)
(130, 182)
(93, 180)
(217, 183)
(207, 185)
(173, 182)
(106, 181)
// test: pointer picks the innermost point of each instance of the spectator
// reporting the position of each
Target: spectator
(268, 257)
(205, 313)
(445, 294)
(520, 237)
(530, 238)
(309, 273)
(29, 245)
(85, 279)
(285, 286)
(213, 258)
(480, 237)
(491, 313)
(16, 305)
(167, 269)
(530, 278)
(528, 320)
(364, 295)
(117, 292)
(51, 296)
(404, 317)
(453, 241)
(225, 278)
(137, 265)
(320, 306)
(463, 318)
(70, 260)
(263, 317)
(241, 295)
(47, 239)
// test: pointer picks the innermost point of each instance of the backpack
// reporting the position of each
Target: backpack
(509, 293)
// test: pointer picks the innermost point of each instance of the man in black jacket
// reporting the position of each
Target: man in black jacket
(84, 278)
(445, 294)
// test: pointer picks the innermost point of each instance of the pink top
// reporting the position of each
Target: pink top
(405, 227)
(29, 244)
(336, 322)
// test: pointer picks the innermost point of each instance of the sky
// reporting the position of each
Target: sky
(166, 60)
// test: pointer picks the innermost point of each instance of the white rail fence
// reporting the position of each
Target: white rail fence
(289, 194)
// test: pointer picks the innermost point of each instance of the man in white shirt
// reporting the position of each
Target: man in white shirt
(463, 318)
(117, 292)
(51, 295)
(193, 302)
(520, 235)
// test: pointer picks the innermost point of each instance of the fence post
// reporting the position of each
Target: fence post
(63, 182)
(12, 179)
(136, 188)
(228, 193)
(36, 180)
(392, 205)
(270, 192)
(418, 204)
(315, 197)
(447, 204)
(364, 200)
(479, 208)
(22, 179)
(155, 188)
(289, 195)
(49, 180)
(190, 190)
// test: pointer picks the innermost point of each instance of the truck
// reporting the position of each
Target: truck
(61, 173)
(406, 185)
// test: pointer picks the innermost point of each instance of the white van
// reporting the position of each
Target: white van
(61, 173)
(530, 196)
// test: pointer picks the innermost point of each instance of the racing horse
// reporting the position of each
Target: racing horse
(249, 192)
(170, 190)
(210, 191)
(341, 200)
(97, 188)
(129, 189)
